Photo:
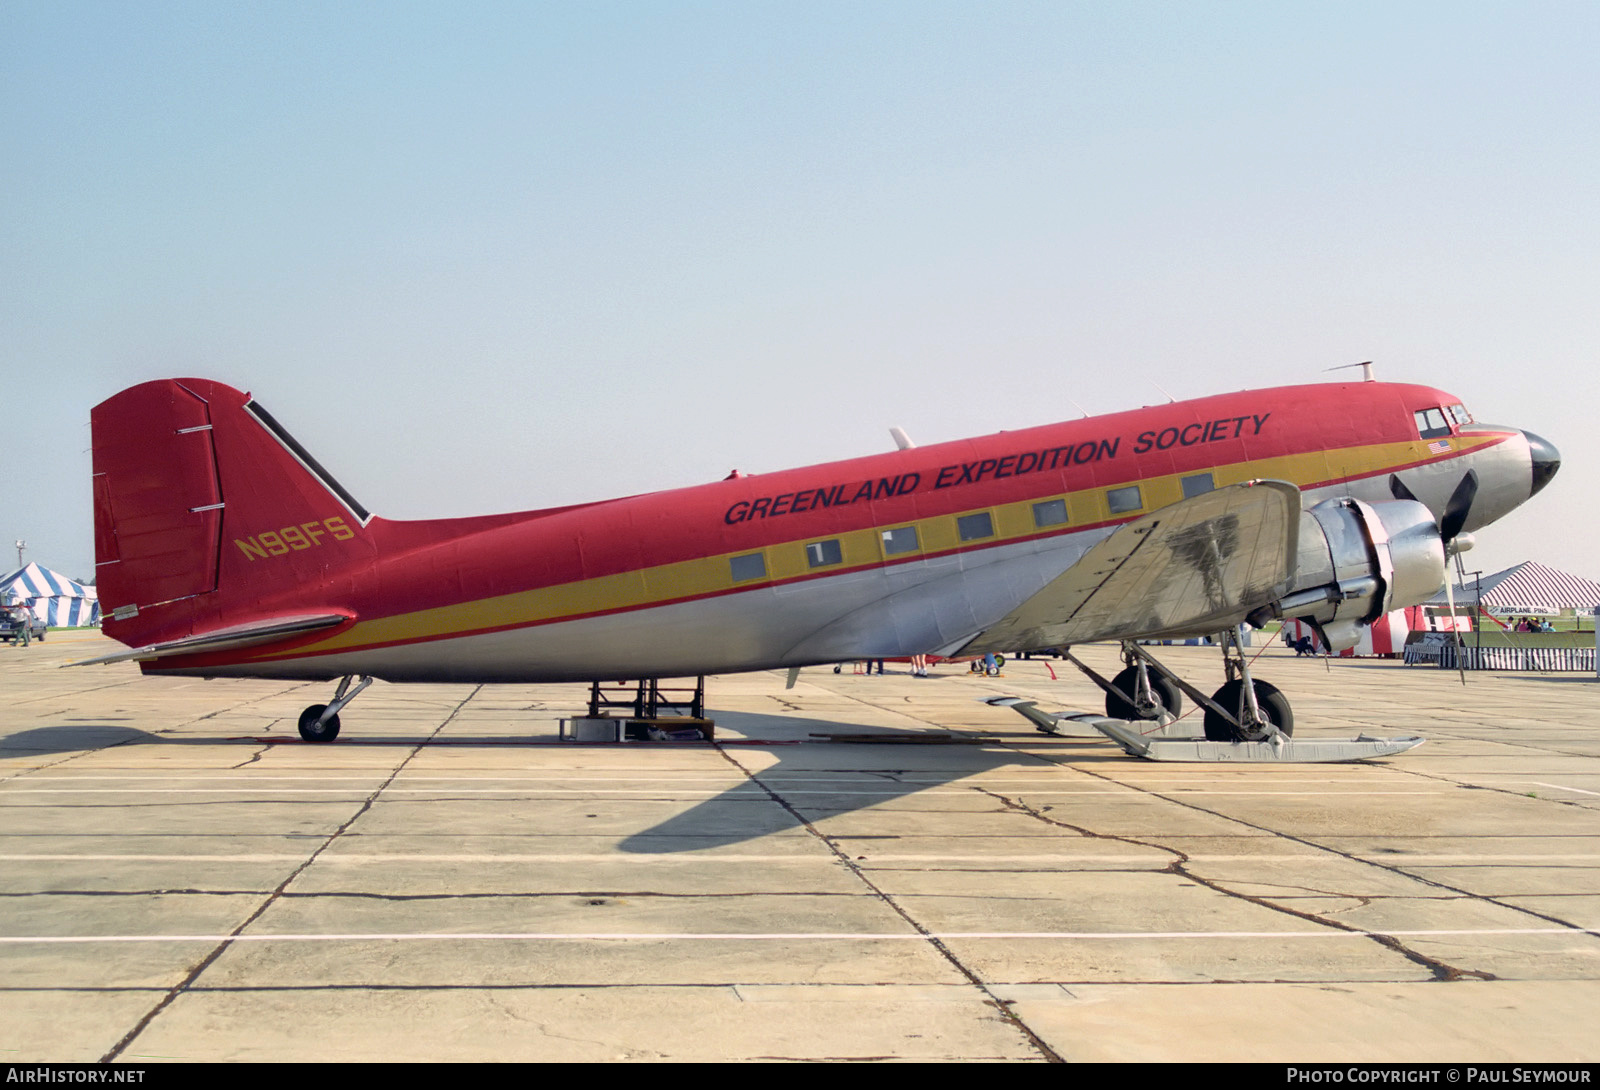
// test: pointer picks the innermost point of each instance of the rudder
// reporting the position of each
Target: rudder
(207, 513)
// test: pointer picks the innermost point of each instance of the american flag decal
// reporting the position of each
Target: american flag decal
(1439, 446)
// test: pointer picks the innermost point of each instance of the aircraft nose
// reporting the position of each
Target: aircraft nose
(1546, 460)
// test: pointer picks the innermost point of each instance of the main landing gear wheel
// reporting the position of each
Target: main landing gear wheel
(1273, 704)
(308, 725)
(1163, 689)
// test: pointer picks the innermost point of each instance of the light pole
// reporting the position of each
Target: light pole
(1477, 580)
(1477, 613)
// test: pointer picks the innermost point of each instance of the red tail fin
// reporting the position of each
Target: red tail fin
(208, 514)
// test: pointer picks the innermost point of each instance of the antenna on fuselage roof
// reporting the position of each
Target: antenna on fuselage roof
(901, 439)
(1366, 369)
(1163, 389)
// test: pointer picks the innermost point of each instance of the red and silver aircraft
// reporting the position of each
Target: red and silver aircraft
(224, 550)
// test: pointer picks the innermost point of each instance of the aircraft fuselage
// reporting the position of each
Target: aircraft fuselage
(887, 555)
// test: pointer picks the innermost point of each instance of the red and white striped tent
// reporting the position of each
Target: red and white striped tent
(1385, 636)
(1529, 587)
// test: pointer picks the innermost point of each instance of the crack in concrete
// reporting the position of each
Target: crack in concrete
(1433, 777)
(253, 758)
(133, 892)
(990, 998)
(77, 692)
(328, 797)
(544, 1029)
(1392, 869)
(777, 1058)
(67, 758)
(206, 962)
(1180, 866)
(610, 894)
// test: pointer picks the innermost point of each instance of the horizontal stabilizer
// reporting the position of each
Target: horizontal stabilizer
(244, 635)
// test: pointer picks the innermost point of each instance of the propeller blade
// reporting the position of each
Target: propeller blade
(1459, 506)
(1398, 489)
(1455, 633)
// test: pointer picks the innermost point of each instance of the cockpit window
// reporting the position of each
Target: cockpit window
(1431, 423)
(1459, 414)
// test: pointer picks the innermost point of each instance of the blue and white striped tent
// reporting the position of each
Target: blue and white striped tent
(54, 599)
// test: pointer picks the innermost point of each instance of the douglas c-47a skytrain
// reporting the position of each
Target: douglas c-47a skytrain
(224, 550)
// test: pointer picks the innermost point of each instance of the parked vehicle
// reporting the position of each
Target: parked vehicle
(16, 620)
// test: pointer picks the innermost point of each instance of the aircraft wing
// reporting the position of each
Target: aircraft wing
(1193, 568)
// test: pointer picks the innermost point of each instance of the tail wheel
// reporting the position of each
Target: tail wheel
(1274, 708)
(313, 733)
(1163, 688)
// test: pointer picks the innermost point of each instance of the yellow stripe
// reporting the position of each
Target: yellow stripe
(788, 560)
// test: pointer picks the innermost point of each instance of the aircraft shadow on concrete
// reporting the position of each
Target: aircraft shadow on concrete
(76, 738)
(84, 737)
(824, 778)
(824, 768)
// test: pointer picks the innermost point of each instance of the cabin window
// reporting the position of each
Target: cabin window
(1198, 485)
(902, 539)
(974, 527)
(819, 554)
(1123, 500)
(1050, 513)
(1431, 423)
(748, 566)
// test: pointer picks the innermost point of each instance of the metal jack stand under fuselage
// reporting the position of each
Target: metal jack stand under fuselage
(643, 711)
(1244, 720)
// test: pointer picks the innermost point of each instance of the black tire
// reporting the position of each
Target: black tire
(308, 725)
(1165, 689)
(1273, 704)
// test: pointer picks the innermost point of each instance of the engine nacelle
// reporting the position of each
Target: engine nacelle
(1356, 562)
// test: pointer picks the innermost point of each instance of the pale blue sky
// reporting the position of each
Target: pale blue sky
(495, 256)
